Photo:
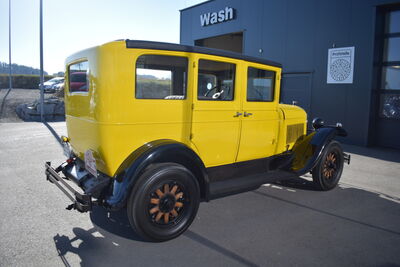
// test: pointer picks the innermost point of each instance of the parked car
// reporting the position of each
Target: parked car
(159, 127)
(59, 86)
(78, 81)
(49, 86)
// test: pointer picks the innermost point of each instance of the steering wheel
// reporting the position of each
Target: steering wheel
(217, 94)
(209, 91)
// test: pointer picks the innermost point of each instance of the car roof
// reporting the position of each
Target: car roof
(55, 79)
(197, 49)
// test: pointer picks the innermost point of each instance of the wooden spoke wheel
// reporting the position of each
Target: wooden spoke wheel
(330, 167)
(164, 202)
(328, 170)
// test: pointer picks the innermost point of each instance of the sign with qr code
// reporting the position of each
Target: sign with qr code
(340, 65)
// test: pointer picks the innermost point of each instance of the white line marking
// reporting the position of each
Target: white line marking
(276, 187)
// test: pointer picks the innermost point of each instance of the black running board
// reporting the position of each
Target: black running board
(233, 186)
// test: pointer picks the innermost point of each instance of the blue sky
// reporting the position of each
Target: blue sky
(72, 25)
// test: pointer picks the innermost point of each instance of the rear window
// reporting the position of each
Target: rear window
(78, 77)
(161, 77)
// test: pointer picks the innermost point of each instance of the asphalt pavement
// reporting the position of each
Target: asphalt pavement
(286, 224)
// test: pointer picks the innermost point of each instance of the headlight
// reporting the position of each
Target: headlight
(317, 123)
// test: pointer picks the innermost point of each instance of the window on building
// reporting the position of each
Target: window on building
(260, 85)
(390, 64)
(392, 51)
(215, 80)
(231, 42)
(78, 77)
(161, 77)
(391, 77)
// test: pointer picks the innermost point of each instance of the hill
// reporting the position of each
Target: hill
(19, 69)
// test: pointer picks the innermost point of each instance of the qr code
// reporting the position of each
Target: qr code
(340, 69)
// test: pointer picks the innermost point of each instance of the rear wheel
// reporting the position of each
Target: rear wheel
(164, 202)
(328, 171)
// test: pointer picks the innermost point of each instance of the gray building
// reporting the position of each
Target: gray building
(341, 58)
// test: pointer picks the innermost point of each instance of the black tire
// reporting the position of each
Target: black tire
(177, 203)
(326, 174)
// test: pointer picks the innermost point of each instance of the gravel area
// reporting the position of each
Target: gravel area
(17, 96)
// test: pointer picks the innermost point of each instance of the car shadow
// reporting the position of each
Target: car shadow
(298, 183)
(226, 231)
(109, 228)
(53, 132)
(321, 211)
(114, 222)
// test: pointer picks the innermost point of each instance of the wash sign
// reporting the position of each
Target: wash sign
(228, 13)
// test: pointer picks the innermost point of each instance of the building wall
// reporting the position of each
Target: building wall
(298, 34)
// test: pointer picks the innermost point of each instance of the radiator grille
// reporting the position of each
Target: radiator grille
(293, 132)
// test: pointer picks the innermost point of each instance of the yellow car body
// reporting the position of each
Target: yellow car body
(112, 123)
(158, 127)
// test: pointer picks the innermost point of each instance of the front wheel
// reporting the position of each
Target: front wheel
(328, 171)
(164, 202)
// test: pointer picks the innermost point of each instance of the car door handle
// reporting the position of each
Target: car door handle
(238, 114)
(247, 114)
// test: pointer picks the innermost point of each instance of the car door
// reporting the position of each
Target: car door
(216, 104)
(259, 129)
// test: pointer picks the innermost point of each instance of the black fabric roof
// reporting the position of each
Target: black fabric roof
(196, 49)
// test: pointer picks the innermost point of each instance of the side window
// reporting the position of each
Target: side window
(216, 80)
(78, 77)
(260, 85)
(161, 77)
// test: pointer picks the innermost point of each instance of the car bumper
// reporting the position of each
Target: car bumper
(80, 201)
(347, 158)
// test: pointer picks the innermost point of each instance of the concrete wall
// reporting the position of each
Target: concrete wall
(298, 34)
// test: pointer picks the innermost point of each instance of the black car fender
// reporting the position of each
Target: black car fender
(159, 151)
(308, 149)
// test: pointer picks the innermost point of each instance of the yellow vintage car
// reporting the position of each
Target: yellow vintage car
(157, 128)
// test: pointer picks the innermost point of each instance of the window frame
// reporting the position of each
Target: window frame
(383, 63)
(185, 77)
(272, 86)
(233, 80)
(87, 77)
